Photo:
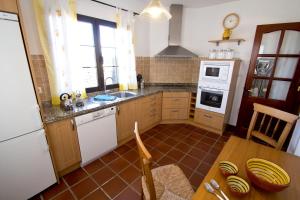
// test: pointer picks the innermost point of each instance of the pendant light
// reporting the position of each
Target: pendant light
(156, 10)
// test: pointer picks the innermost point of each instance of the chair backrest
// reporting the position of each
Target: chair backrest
(146, 163)
(271, 121)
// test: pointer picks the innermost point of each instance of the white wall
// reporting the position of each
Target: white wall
(203, 24)
(93, 9)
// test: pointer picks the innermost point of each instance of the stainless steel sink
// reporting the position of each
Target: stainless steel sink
(123, 94)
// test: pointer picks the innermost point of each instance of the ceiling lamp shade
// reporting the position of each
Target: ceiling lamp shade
(156, 10)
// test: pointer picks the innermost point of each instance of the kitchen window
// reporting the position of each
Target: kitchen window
(98, 53)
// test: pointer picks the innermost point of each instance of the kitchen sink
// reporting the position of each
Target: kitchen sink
(123, 94)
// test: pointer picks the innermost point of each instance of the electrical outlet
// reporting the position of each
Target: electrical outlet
(40, 91)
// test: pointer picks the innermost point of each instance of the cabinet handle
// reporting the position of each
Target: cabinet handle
(176, 99)
(73, 125)
(208, 116)
(118, 110)
(174, 111)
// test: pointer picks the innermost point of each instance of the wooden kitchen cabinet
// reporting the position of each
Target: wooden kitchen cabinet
(9, 6)
(125, 117)
(175, 106)
(210, 120)
(148, 111)
(63, 140)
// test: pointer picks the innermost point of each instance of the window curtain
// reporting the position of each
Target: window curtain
(57, 23)
(125, 50)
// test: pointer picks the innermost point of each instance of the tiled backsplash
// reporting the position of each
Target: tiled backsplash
(154, 70)
(40, 74)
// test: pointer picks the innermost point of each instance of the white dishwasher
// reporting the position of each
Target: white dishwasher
(96, 133)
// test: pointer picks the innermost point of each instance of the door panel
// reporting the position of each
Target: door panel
(274, 72)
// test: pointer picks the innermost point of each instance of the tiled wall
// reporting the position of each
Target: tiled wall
(154, 70)
(41, 77)
(168, 70)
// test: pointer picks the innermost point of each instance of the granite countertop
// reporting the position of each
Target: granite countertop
(55, 113)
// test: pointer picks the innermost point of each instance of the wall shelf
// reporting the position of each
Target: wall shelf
(217, 42)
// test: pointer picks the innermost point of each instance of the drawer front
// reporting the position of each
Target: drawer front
(176, 94)
(175, 102)
(209, 119)
(174, 113)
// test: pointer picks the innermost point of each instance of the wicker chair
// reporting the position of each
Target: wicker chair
(162, 183)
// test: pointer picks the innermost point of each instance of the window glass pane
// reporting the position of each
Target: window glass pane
(111, 75)
(259, 88)
(286, 67)
(264, 66)
(269, 42)
(90, 76)
(87, 56)
(109, 57)
(291, 43)
(107, 36)
(85, 33)
(279, 90)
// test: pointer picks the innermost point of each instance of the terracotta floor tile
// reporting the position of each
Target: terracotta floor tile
(163, 147)
(171, 141)
(103, 175)
(122, 149)
(94, 166)
(152, 142)
(197, 153)
(208, 140)
(200, 131)
(131, 143)
(97, 195)
(204, 168)
(156, 155)
(210, 158)
(129, 194)
(75, 176)
(175, 154)
(203, 146)
(183, 147)
(196, 179)
(114, 187)
(54, 190)
(84, 187)
(118, 165)
(166, 160)
(64, 196)
(190, 141)
(161, 137)
(213, 135)
(190, 162)
(137, 185)
(131, 156)
(130, 174)
(109, 157)
(187, 171)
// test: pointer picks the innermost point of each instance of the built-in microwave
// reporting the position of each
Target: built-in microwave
(212, 99)
(218, 72)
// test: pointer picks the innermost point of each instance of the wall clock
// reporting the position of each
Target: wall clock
(230, 22)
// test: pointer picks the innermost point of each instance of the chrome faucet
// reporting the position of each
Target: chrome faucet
(105, 80)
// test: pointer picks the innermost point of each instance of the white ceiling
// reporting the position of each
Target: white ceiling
(194, 3)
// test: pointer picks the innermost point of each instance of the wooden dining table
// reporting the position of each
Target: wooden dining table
(238, 151)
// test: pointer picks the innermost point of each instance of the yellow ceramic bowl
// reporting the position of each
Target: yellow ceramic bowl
(228, 168)
(237, 186)
(267, 175)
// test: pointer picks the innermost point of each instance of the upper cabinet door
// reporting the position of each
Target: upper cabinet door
(8, 6)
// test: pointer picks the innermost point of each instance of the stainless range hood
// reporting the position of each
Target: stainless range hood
(174, 49)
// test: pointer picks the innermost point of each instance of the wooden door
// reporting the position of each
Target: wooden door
(64, 145)
(273, 77)
(125, 120)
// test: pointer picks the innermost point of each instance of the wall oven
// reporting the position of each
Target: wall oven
(212, 99)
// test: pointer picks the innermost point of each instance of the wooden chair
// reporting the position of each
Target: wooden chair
(269, 125)
(164, 183)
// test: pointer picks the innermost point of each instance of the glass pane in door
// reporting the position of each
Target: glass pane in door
(291, 42)
(269, 42)
(264, 66)
(259, 88)
(286, 67)
(279, 90)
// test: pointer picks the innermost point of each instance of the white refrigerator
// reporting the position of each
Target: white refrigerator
(25, 163)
